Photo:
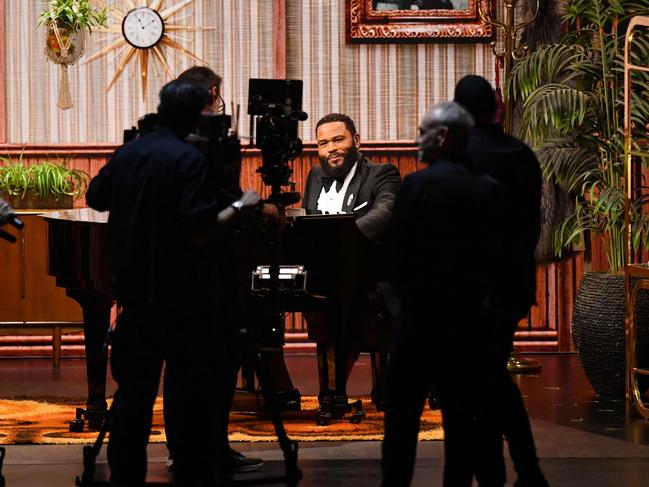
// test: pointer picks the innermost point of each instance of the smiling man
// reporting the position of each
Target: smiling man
(346, 182)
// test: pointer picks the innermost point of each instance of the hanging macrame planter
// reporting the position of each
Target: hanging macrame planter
(64, 46)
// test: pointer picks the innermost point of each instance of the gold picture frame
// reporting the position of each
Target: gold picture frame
(377, 21)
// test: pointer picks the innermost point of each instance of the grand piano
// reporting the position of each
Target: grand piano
(78, 259)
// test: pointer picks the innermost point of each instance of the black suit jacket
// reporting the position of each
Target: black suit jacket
(513, 164)
(445, 241)
(159, 193)
(370, 195)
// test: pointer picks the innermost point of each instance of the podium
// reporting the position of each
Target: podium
(338, 260)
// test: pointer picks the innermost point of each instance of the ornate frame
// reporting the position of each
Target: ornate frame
(363, 24)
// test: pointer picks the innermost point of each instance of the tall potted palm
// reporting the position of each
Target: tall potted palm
(572, 113)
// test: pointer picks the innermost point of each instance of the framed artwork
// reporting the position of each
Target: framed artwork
(381, 21)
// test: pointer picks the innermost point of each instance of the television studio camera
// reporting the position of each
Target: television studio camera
(275, 108)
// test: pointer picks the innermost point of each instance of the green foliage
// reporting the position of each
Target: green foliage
(572, 98)
(75, 14)
(42, 179)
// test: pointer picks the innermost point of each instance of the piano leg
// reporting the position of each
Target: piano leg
(96, 321)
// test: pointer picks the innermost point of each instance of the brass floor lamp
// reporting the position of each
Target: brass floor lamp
(511, 51)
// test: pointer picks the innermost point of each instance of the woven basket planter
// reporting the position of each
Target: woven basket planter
(598, 330)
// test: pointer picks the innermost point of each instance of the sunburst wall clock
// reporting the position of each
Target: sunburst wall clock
(146, 31)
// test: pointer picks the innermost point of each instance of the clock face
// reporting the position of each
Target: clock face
(143, 27)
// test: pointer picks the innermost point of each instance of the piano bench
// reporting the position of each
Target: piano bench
(43, 328)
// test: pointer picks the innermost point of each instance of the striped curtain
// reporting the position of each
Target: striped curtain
(239, 47)
(384, 88)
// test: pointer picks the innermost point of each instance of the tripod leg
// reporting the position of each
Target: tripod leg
(2, 459)
(289, 447)
(90, 453)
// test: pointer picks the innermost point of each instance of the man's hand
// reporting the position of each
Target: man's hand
(250, 199)
(272, 213)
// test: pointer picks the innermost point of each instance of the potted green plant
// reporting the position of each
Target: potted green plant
(44, 185)
(66, 24)
(572, 112)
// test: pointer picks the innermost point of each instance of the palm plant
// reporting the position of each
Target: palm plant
(572, 113)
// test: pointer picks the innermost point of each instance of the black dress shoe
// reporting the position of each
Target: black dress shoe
(242, 463)
(537, 482)
(238, 462)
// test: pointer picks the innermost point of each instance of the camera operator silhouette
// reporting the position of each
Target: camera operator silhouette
(167, 231)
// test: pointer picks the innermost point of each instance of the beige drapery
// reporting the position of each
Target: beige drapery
(385, 88)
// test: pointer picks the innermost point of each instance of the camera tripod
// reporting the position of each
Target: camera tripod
(2, 459)
(292, 474)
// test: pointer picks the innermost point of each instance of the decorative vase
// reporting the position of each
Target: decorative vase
(598, 330)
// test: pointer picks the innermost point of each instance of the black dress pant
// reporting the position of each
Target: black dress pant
(201, 372)
(136, 364)
(510, 411)
(421, 358)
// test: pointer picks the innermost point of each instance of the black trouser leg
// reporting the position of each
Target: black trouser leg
(518, 432)
(408, 383)
(473, 438)
(513, 417)
(136, 368)
(198, 394)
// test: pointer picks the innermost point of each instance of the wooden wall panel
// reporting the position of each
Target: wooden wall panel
(546, 328)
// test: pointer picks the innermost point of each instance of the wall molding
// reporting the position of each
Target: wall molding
(99, 150)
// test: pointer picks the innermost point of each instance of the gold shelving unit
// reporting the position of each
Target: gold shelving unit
(636, 274)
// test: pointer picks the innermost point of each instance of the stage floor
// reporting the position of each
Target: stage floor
(581, 439)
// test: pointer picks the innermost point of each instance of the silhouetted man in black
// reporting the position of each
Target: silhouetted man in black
(226, 174)
(165, 217)
(445, 234)
(513, 164)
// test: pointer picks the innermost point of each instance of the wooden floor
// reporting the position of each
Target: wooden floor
(583, 440)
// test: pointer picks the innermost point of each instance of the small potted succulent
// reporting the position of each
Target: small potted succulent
(66, 24)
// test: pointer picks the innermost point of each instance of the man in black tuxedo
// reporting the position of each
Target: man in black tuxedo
(513, 164)
(369, 188)
(445, 243)
(347, 182)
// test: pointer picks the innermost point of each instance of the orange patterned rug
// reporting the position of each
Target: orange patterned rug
(46, 422)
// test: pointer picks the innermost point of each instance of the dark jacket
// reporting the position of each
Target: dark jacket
(445, 241)
(513, 164)
(158, 192)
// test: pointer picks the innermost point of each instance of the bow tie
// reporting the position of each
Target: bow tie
(327, 181)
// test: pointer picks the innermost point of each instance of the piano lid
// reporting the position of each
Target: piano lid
(77, 215)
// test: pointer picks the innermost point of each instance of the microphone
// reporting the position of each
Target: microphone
(7, 215)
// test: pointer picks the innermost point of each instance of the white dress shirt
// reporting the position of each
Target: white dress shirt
(331, 202)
